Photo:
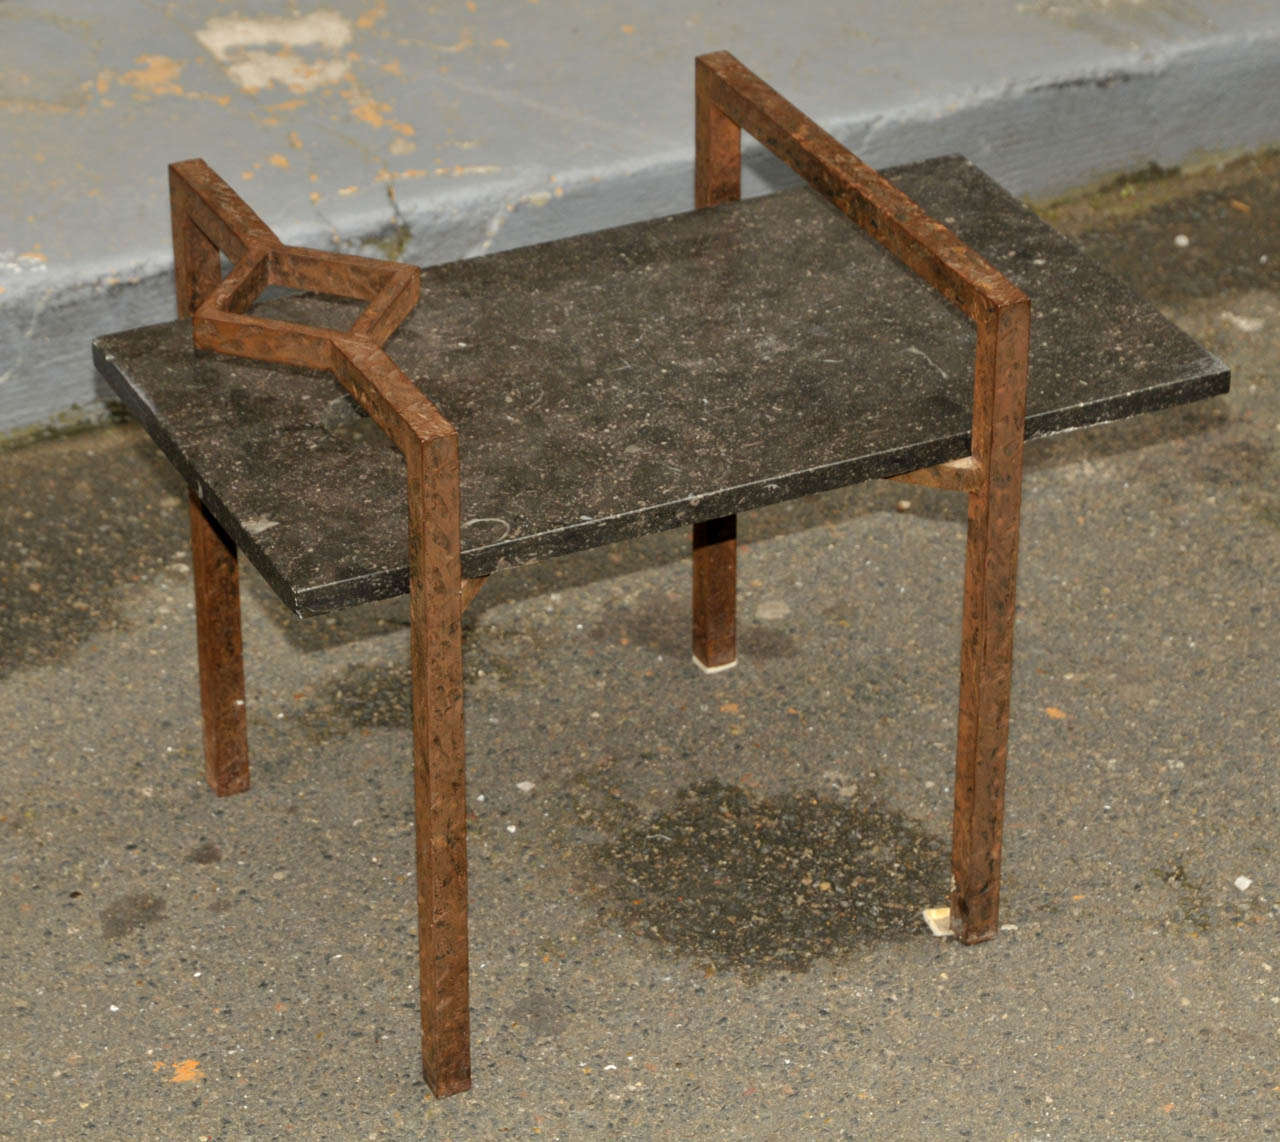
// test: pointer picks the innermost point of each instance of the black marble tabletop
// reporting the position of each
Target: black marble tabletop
(645, 377)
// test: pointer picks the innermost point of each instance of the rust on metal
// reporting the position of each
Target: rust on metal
(439, 777)
(881, 209)
(217, 586)
(715, 574)
(209, 219)
(717, 178)
(730, 97)
(221, 215)
(986, 648)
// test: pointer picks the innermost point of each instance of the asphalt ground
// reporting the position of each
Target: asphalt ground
(694, 898)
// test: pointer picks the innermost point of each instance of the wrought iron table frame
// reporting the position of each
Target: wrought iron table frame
(210, 220)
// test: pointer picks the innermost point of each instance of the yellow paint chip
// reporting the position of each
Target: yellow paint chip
(157, 75)
(458, 170)
(499, 43)
(402, 147)
(628, 29)
(314, 196)
(184, 1072)
(1055, 713)
(348, 190)
(279, 161)
(369, 110)
(392, 67)
(295, 140)
(372, 15)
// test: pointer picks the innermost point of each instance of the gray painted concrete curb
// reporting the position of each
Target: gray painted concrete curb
(1041, 109)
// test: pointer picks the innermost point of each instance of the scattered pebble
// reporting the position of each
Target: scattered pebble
(511, 828)
(772, 609)
(1242, 323)
(1243, 883)
(903, 505)
(525, 786)
(1181, 241)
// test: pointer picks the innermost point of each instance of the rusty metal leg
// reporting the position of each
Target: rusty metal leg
(716, 178)
(715, 586)
(217, 586)
(439, 778)
(986, 657)
(197, 268)
(717, 170)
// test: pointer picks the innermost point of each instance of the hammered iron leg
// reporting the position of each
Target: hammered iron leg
(217, 588)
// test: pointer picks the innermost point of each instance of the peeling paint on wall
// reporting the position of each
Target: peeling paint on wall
(29, 262)
(157, 75)
(303, 54)
(241, 44)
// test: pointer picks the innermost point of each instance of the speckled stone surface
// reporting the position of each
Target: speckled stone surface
(642, 378)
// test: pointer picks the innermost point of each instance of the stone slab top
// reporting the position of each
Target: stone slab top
(643, 378)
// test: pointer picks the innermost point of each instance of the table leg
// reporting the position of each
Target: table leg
(715, 586)
(986, 653)
(440, 802)
(217, 588)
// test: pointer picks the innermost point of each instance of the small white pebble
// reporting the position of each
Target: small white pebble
(511, 828)
(479, 796)
(1181, 241)
(525, 786)
(113, 1007)
(1243, 883)
(772, 609)
(1241, 322)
